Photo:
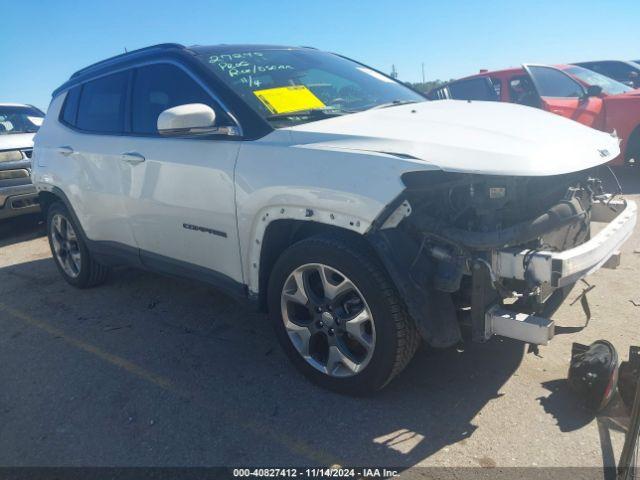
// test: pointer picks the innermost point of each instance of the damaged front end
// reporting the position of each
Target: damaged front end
(499, 253)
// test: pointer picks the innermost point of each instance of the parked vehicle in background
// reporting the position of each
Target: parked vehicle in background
(363, 218)
(18, 125)
(621, 71)
(568, 90)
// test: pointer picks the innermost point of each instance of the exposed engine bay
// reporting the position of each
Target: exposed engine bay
(441, 238)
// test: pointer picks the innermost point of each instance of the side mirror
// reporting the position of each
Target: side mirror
(189, 119)
(593, 91)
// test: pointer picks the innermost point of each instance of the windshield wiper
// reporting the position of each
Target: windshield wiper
(393, 103)
(312, 113)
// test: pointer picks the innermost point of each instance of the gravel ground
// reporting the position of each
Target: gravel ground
(153, 371)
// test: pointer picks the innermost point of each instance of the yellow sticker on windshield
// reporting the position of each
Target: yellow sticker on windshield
(288, 99)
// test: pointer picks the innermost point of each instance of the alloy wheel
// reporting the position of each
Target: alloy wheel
(328, 320)
(65, 245)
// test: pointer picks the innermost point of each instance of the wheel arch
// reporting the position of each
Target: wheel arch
(55, 194)
(281, 233)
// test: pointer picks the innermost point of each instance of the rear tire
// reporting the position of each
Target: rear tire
(338, 316)
(69, 250)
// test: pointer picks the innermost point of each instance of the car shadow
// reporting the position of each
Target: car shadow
(20, 229)
(226, 355)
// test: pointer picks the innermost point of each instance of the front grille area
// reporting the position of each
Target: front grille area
(11, 156)
(11, 174)
(28, 152)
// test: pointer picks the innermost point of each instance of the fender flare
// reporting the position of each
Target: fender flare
(57, 192)
(288, 212)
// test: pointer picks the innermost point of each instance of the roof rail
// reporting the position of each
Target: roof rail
(160, 46)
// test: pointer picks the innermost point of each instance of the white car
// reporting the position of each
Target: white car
(18, 125)
(363, 218)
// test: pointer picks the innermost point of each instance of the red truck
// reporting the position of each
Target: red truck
(568, 90)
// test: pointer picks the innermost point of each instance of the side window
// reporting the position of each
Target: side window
(70, 107)
(162, 86)
(102, 104)
(522, 91)
(441, 93)
(553, 83)
(496, 83)
(473, 89)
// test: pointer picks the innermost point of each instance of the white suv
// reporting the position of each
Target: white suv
(363, 218)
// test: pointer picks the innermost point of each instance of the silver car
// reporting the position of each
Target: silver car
(18, 125)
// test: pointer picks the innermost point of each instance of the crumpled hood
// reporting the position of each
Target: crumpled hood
(15, 141)
(475, 137)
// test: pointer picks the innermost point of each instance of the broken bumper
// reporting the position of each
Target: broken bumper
(559, 269)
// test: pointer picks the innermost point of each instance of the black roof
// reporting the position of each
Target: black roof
(197, 49)
(104, 66)
(242, 47)
(126, 56)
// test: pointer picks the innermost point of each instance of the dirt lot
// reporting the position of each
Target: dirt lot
(148, 370)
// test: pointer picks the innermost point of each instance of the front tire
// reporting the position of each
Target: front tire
(69, 250)
(338, 316)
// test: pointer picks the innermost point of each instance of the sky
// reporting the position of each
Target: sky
(43, 42)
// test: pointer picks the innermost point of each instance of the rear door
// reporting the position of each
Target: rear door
(88, 153)
(561, 94)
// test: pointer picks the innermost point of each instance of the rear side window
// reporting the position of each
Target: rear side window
(70, 108)
(473, 89)
(102, 104)
(162, 86)
(553, 83)
(441, 93)
(497, 87)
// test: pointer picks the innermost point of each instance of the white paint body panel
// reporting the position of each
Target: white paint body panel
(184, 181)
(343, 188)
(476, 137)
(91, 177)
(335, 167)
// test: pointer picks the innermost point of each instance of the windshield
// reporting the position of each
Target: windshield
(609, 86)
(18, 119)
(290, 86)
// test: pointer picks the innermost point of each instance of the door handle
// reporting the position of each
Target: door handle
(65, 150)
(132, 158)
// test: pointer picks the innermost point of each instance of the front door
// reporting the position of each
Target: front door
(180, 191)
(562, 95)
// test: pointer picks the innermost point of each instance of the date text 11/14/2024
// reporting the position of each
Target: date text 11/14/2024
(328, 472)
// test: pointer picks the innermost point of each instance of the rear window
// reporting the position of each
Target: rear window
(616, 70)
(102, 104)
